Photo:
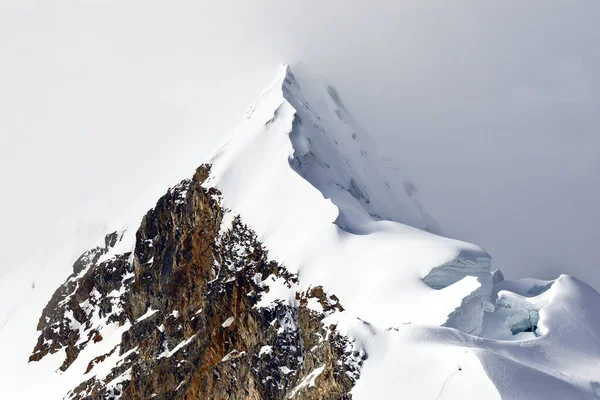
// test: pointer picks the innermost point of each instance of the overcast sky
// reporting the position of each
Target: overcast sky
(491, 107)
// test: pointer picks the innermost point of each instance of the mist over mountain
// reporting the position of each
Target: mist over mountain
(491, 109)
(408, 208)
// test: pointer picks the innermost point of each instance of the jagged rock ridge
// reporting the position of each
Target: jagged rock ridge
(187, 299)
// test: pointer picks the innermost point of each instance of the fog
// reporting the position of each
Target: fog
(492, 109)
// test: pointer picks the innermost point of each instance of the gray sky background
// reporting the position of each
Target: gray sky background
(492, 108)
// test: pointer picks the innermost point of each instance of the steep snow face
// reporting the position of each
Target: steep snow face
(334, 154)
(308, 179)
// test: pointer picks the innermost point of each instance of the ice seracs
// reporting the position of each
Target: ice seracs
(547, 342)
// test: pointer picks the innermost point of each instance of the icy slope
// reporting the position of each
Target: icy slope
(307, 178)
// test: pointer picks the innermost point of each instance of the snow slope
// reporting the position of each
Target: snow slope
(434, 320)
(307, 178)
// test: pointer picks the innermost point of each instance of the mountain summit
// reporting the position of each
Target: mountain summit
(297, 263)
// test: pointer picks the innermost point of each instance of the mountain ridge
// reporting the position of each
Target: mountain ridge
(293, 265)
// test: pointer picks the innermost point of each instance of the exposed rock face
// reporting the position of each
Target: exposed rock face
(191, 301)
(91, 292)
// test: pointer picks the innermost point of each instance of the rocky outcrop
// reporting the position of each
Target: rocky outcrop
(90, 296)
(192, 302)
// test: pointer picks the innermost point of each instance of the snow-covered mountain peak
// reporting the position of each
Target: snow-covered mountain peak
(296, 263)
(338, 157)
(299, 166)
(334, 153)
